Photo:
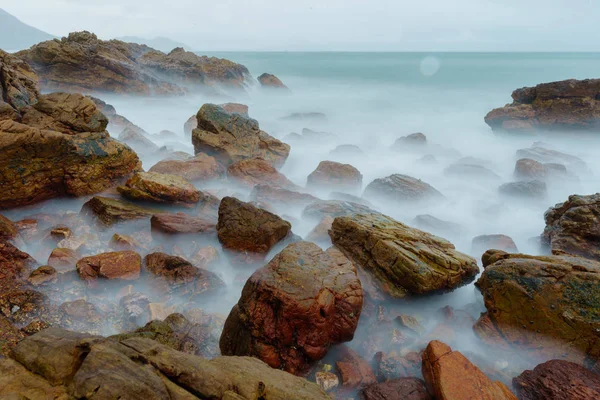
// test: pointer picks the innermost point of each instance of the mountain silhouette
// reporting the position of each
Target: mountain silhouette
(17, 35)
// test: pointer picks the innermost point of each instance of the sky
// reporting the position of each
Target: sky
(330, 25)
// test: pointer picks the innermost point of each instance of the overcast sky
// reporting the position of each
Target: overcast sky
(342, 25)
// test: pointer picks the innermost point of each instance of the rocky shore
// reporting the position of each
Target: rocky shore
(130, 270)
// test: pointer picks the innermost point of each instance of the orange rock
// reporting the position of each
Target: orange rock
(256, 171)
(63, 259)
(124, 265)
(451, 376)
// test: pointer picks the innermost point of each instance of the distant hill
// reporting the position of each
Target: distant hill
(161, 43)
(17, 35)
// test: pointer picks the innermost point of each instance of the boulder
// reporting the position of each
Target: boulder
(320, 233)
(254, 171)
(573, 227)
(181, 223)
(108, 211)
(243, 227)
(410, 141)
(18, 85)
(397, 389)
(202, 167)
(231, 137)
(159, 188)
(547, 156)
(292, 309)
(15, 266)
(334, 208)
(544, 306)
(335, 176)
(451, 376)
(529, 169)
(121, 265)
(403, 260)
(42, 276)
(8, 229)
(271, 82)
(354, 370)
(83, 63)
(192, 122)
(136, 138)
(524, 189)
(429, 223)
(279, 197)
(401, 188)
(480, 244)
(564, 105)
(557, 380)
(63, 260)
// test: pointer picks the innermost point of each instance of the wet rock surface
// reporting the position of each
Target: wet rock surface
(159, 188)
(254, 171)
(401, 188)
(123, 265)
(334, 175)
(199, 168)
(403, 261)
(294, 308)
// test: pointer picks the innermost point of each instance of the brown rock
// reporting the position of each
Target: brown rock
(449, 375)
(205, 256)
(136, 138)
(397, 389)
(271, 81)
(120, 242)
(480, 244)
(245, 228)
(410, 142)
(320, 233)
(108, 211)
(354, 370)
(202, 167)
(402, 260)
(334, 208)
(8, 230)
(401, 188)
(255, 171)
(574, 227)
(529, 169)
(181, 223)
(15, 266)
(279, 197)
(557, 380)
(547, 156)
(231, 137)
(159, 188)
(122, 265)
(334, 175)
(294, 308)
(63, 260)
(42, 275)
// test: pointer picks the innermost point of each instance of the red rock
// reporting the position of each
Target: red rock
(451, 376)
(15, 266)
(42, 275)
(122, 265)
(181, 223)
(202, 167)
(255, 171)
(335, 176)
(160, 188)
(355, 371)
(123, 242)
(63, 259)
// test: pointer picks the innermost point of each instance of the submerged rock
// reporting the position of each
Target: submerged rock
(199, 168)
(291, 310)
(108, 211)
(564, 105)
(335, 176)
(254, 171)
(483, 243)
(181, 223)
(277, 196)
(271, 81)
(231, 137)
(529, 169)
(159, 188)
(401, 188)
(450, 375)
(573, 227)
(541, 305)
(547, 156)
(403, 261)
(524, 189)
(122, 265)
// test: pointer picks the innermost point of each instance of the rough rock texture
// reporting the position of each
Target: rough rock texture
(401, 188)
(8, 230)
(397, 389)
(354, 370)
(564, 105)
(335, 176)
(450, 376)
(18, 85)
(109, 211)
(160, 188)
(558, 380)
(15, 266)
(271, 81)
(231, 137)
(294, 308)
(402, 260)
(83, 366)
(254, 171)
(192, 122)
(481, 244)
(199, 168)
(334, 208)
(546, 306)
(181, 223)
(277, 196)
(243, 227)
(123, 265)
(82, 63)
(573, 227)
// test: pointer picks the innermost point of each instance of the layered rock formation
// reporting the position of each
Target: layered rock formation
(291, 310)
(543, 305)
(81, 62)
(231, 137)
(403, 261)
(564, 105)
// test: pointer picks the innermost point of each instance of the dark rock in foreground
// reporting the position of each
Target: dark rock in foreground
(291, 310)
(564, 105)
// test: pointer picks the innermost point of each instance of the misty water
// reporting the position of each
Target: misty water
(372, 99)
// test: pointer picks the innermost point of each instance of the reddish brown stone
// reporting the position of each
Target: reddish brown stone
(202, 167)
(335, 176)
(63, 259)
(397, 389)
(256, 171)
(271, 81)
(15, 266)
(122, 265)
(8, 230)
(181, 223)
(354, 370)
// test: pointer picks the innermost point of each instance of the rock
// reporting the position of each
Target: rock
(401, 188)
(10, 335)
(18, 84)
(15, 266)
(574, 226)
(402, 260)
(411, 141)
(205, 256)
(120, 242)
(334, 175)
(334, 208)
(481, 244)
(291, 310)
(429, 223)
(192, 122)
(42, 275)
(136, 138)
(108, 211)
(563, 105)
(397, 389)
(450, 375)
(320, 233)
(529, 169)
(557, 380)
(159, 188)
(199, 168)
(82, 62)
(17, 383)
(279, 197)
(327, 380)
(347, 150)
(546, 156)
(181, 223)
(409, 323)
(122, 265)
(8, 230)
(63, 260)
(471, 171)
(81, 315)
(245, 228)
(255, 171)
(271, 82)
(355, 371)
(541, 306)
(231, 137)
(524, 189)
